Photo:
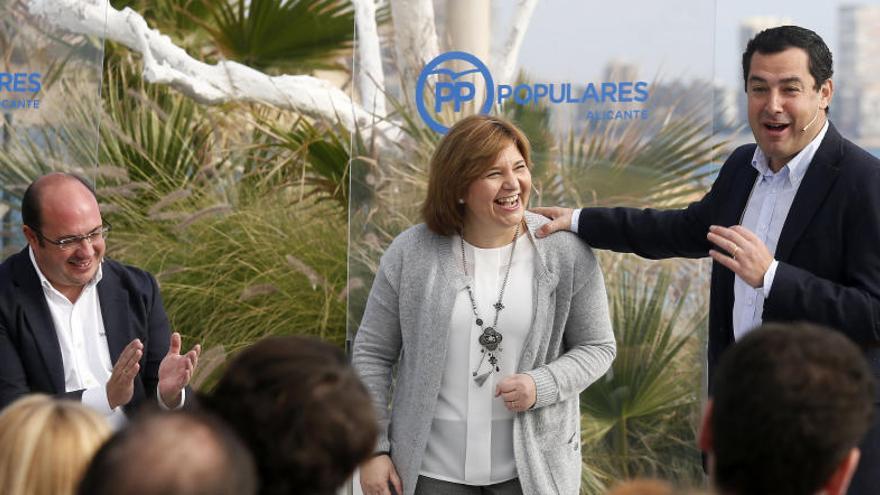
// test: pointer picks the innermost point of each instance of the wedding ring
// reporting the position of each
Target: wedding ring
(735, 250)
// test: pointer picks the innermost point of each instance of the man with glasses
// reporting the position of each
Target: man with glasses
(77, 325)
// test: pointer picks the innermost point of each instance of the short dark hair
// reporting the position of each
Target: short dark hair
(777, 39)
(465, 152)
(789, 403)
(301, 408)
(182, 452)
(30, 202)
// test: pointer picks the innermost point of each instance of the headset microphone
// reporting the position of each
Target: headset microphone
(812, 121)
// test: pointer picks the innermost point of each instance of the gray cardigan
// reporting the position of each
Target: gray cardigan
(406, 322)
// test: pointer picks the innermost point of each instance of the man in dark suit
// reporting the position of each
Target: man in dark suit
(792, 223)
(78, 325)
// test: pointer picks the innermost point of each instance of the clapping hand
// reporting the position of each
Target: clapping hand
(120, 386)
(176, 370)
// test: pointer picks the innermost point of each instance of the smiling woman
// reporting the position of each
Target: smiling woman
(494, 333)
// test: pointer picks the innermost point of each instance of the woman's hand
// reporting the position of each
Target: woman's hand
(377, 473)
(518, 391)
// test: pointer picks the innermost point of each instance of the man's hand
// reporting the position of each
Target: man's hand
(175, 371)
(747, 255)
(120, 386)
(377, 473)
(561, 219)
(518, 391)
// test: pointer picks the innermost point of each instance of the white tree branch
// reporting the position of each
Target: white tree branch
(368, 74)
(167, 63)
(415, 37)
(505, 58)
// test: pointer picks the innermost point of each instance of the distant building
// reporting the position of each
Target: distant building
(856, 104)
(620, 70)
(748, 28)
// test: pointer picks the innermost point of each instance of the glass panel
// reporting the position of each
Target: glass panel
(619, 107)
(50, 84)
(850, 31)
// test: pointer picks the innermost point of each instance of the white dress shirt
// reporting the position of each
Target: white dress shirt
(85, 353)
(471, 439)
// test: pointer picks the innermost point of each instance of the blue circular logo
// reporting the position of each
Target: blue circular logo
(451, 88)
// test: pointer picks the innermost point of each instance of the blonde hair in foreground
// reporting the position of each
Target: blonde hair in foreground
(46, 445)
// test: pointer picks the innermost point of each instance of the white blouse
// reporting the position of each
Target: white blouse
(471, 439)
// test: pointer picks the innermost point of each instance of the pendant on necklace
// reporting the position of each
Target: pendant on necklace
(490, 339)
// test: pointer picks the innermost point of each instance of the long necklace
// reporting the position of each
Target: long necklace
(490, 339)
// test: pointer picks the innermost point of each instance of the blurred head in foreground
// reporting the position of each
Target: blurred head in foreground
(181, 452)
(790, 406)
(302, 410)
(46, 444)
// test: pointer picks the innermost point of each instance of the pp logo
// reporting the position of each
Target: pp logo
(450, 87)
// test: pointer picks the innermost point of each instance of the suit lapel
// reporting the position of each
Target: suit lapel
(817, 182)
(37, 316)
(114, 312)
(733, 206)
(741, 190)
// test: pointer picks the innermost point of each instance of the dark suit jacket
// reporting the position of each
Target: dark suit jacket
(30, 356)
(828, 250)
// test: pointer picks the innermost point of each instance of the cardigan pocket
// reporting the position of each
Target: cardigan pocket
(564, 467)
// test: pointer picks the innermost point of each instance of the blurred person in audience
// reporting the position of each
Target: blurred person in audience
(76, 324)
(791, 404)
(46, 444)
(493, 332)
(179, 453)
(301, 409)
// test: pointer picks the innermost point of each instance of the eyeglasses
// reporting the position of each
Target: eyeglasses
(68, 242)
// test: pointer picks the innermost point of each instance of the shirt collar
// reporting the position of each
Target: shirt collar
(48, 285)
(797, 166)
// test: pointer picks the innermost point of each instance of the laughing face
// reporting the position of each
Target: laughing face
(496, 201)
(785, 110)
(67, 208)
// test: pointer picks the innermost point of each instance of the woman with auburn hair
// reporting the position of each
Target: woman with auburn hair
(493, 333)
(47, 444)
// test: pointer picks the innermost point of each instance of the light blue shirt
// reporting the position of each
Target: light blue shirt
(765, 214)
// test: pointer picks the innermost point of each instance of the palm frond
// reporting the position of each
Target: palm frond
(295, 35)
(636, 419)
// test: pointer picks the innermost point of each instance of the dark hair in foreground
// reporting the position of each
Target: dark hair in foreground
(775, 40)
(302, 410)
(30, 201)
(465, 152)
(179, 452)
(790, 402)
